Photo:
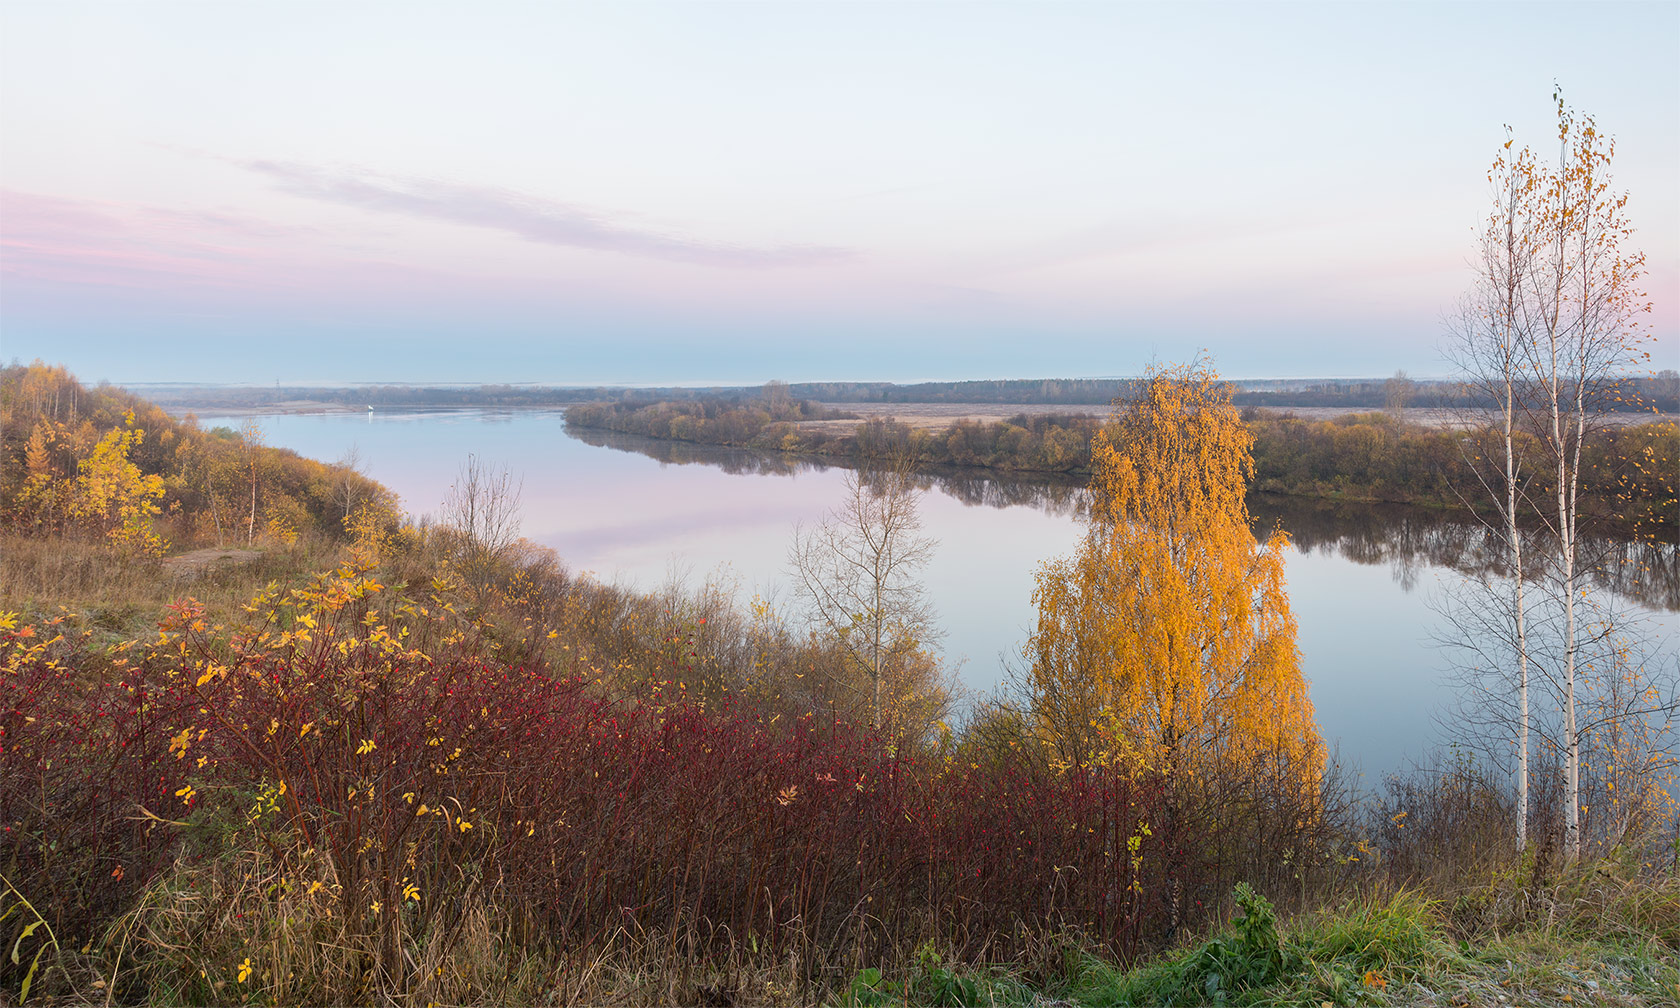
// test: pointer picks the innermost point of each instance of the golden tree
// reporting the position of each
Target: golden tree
(113, 496)
(1166, 639)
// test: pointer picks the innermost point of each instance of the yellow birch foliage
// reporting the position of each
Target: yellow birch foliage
(41, 500)
(1166, 640)
(113, 496)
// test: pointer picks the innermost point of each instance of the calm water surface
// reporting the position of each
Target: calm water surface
(639, 512)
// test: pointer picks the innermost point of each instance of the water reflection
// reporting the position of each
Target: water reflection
(1408, 540)
(735, 461)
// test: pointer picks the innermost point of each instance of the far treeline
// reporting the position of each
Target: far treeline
(1627, 474)
(1660, 392)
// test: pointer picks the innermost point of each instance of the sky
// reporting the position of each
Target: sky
(700, 193)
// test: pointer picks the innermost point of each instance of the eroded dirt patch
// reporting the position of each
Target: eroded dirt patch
(194, 564)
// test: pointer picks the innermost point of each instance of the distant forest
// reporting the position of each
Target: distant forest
(1660, 393)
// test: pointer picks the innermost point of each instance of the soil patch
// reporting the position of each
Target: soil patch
(191, 565)
(938, 416)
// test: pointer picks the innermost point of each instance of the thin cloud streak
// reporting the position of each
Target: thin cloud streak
(105, 247)
(534, 220)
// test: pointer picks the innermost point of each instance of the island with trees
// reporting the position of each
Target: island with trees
(1377, 456)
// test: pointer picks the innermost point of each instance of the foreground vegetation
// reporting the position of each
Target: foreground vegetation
(363, 794)
(381, 763)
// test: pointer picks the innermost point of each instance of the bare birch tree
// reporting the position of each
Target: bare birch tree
(1487, 338)
(255, 468)
(858, 572)
(350, 483)
(1549, 331)
(1581, 337)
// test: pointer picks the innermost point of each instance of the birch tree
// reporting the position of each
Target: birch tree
(1169, 629)
(1551, 328)
(859, 573)
(350, 484)
(1488, 347)
(1582, 335)
(254, 466)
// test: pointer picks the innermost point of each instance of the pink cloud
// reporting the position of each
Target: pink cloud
(47, 238)
(141, 247)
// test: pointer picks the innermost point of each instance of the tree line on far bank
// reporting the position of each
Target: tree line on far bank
(1660, 392)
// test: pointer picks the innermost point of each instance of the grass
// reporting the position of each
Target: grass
(1392, 949)
(122, 597)
(1383, 946)
(1398, 949)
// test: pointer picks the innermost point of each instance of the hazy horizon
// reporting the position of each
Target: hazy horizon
(710, 193)
(724, 384)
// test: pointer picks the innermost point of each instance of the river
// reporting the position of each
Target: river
(1366, 583)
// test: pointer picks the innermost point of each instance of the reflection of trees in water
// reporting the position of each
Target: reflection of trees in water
(1055, 496)
(735, 461)
(1647, 572)
(1052, 493)
(1407, 539)
(1411, 539)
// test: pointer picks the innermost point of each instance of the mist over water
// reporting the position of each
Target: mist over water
(1365, 582)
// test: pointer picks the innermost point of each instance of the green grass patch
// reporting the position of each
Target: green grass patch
(1351, 955)
(1610, 946)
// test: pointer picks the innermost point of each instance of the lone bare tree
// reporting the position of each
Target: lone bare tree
(350, 483)
(483, 509)
(254, 464)
(1487, 338)
(858, 572)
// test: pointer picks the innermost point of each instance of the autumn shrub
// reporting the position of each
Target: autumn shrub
(1453, 823)
(82, 765)
(352, 795)
(346, 774)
